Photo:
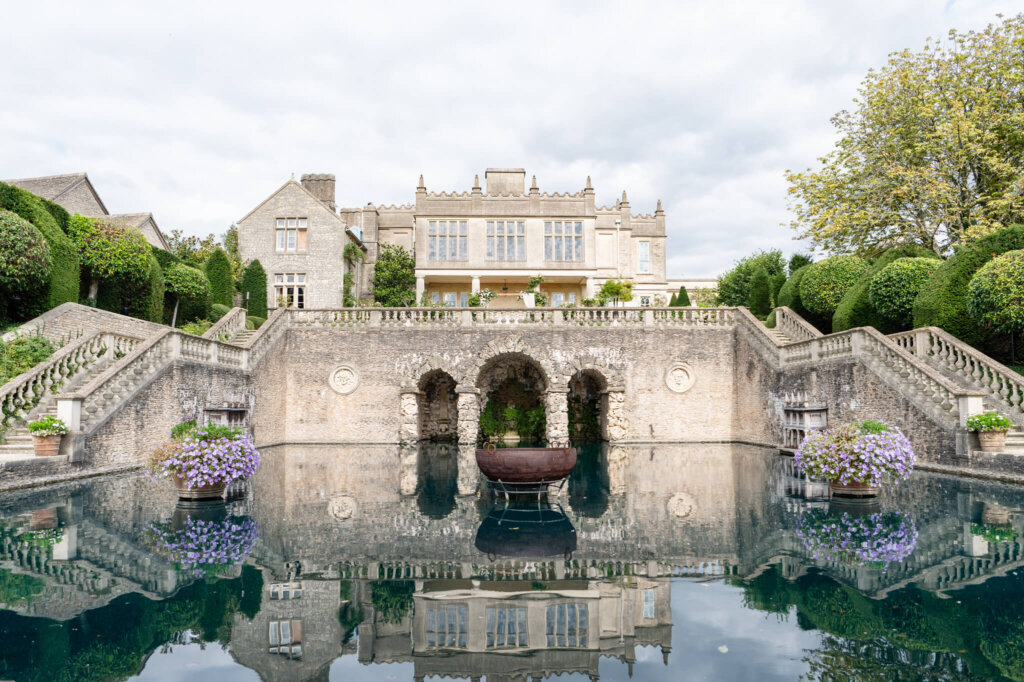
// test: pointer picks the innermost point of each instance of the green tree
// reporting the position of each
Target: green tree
(760, 300)
(24, 258)
(682, 298)
(111, 252)
(352, 256)
(797, 261)
(734, 285)
(195, 251)
(673, 302)
(894, 288)
(617, 290)
(185, 283)
(394, 277)
(855, 310)
(775, 286)
(995, 295)
(218, 272)
(230, 240)
(827, 281)
(254, 285)
(931, 154)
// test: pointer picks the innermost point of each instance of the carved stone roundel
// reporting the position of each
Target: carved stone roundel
(342, 507)
(680, 377)
(681, 505)
(344, 379)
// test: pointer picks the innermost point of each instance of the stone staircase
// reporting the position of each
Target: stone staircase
(242, 336)
(779, 336)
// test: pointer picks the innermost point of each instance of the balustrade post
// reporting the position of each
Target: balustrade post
(466, 318)
(968, 405)
(921, 342)
(648, 318)
(110, 343)
(375, 317)
(213, 352)
(175, 345)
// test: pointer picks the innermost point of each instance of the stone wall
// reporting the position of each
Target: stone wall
(70, 320)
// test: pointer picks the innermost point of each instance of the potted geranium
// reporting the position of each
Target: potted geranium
(202, 461)
(857, 540)
(991, 428)
(46, 434)
(856, 459)
(202, 548)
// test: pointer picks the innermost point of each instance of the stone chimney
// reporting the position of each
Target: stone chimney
(321, 185)
(505, 181)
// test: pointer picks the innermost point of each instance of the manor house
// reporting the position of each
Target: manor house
(493, 237)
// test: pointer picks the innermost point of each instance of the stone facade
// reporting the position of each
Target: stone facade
(605, 242)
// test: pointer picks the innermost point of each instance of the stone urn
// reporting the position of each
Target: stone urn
(212, 491)
(46, 446)
(992, 441)
(511, 437)
(853, 489)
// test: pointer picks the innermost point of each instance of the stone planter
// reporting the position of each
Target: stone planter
(992, 441)
(46, 446)
(511, 437)
(854, 489)
(207, 492)
(995, 515)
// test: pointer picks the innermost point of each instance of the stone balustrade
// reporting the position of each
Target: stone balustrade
(1003, 387)
(793, 326)
(20, 395)
(226, 327)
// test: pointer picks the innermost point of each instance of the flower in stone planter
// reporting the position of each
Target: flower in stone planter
(212, 454)
(880, 538)
(989, 421)
(868, 452)
(43, 539)
(202, 547)
(47, 426)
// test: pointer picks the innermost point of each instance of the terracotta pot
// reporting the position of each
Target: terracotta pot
(206, 492)
(853, 489)
(46, 446)
(995, 515)
(43, 519)
(992, 441)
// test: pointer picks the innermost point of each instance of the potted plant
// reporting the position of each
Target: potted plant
(856, 459)
(857, 540)
(46, 434)
(202, 461)
(991, 428)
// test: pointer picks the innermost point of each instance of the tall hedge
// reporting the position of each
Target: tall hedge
(760, 300)
(855, 310)
(254, 283)
(943, 299)
(789, 294)
(682, 298)
(218, 271)
(144, 300)
(51, 221)
(828, 281)
(188, 310)
(734, 285)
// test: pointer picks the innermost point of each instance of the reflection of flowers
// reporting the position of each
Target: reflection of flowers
(43, 539)
(857, 540)
(990, 533)
(206, 547)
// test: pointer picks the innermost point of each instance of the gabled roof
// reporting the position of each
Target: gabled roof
(281, 189)
(53, 187)
(138, 220)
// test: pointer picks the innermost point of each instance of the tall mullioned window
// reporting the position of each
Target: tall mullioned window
(447, 626)
(291, 235)
(643, 263)
(446, 240)
(563, 240)
(506, 627)
(506, 240)
(567, 625)
(290, 289)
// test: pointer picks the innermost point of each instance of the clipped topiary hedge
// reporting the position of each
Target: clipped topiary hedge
(218, 271)
(995, 295)
(254, 322)
(827, 281)
(217, 311)
(855, 310)
(24, 256)
(894, 288)
(254, 283)
(51, 221)
(943, 299)
(789, 294)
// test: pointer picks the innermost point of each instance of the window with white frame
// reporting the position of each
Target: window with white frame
(643, 264)
(449, 298)
(435, 298)
(563, 240)
(464, 299)
(291, 235)
(557, 299)
(292, 590)
(290, 289)
(648, 603)
(506, 240)
(645, 301)
(506, 627)
(572, 299)
(446, 240)
(286, 638)
(567, 625)
(447, 626)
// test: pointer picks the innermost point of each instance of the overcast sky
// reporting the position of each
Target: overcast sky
(197, 111)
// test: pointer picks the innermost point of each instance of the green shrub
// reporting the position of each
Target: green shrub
(144, 300)
(894, 288)
(995, 295)
(734, 285)
(614, 290)
(24, 257)
(855, 310)
(253, 322)
(254, 283)
(989, 421)
(797, 261)
(775, 286)
(218, 311)
(185, 283)
(47, 425)
(50, 220)
(826, 282)
(760, 300)
(770, 321)
(22, 354)
(197, 327)
(789, 294)
(682, 299)
(218, 271)
(672, 301)
(943, 299)
(394, 277)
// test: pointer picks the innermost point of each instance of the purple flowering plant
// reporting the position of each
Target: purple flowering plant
(211, 454)
(203, 548)
(878, 539)
(868, 452)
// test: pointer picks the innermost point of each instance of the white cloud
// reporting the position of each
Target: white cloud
(196, 111)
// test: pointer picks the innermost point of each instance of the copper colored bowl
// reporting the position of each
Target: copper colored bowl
(526, 465)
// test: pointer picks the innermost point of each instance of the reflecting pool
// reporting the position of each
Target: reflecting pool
(707, 562)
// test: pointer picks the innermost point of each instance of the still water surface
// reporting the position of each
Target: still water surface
(709, 562)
